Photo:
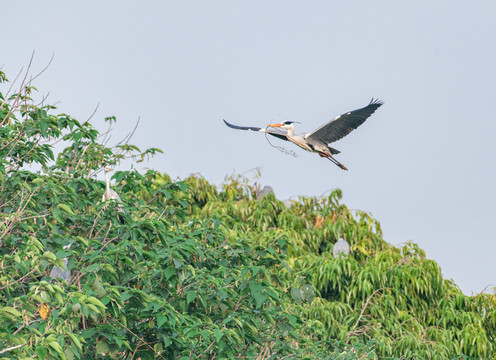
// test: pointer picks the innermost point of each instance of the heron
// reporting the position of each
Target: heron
(341, 247)
(62, 273)
(110, 194)
(318, 141)
(264, 191)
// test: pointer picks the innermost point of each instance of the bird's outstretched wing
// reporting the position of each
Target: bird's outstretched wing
(275, 133)
(342, 125)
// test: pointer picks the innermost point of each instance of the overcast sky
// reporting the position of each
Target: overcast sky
(423, 164)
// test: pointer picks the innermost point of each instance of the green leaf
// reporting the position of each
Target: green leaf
(44, 125)
(167, 341)
(178, 263)
(55, 346)
(38, 181)
(76, 341)
(102, 348)
(244, 272)
(69, 354)
(292, 319)
(190, 296)
(182, 185)
(65, 208)
(49, 255)
(218, 335)
(255, 287)
(169, 272)
(95, 301)
(126, 344)
(10, 310)
(161, 320)
(41, 351)
(57, 215)
(205, 335)
(255, 270)
(259, 299)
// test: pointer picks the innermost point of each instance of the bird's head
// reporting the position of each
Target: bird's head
(286, 125)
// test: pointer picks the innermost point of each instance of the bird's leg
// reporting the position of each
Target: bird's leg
(329, 156)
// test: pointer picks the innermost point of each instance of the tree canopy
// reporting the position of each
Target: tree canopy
(200, 271)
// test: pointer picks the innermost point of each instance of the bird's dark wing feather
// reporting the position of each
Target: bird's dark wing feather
(275, 133)
(242, 127)
(342, 125)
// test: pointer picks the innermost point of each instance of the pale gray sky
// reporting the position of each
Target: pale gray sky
(423, 164)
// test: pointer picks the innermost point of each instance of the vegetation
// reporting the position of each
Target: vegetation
(198, 271)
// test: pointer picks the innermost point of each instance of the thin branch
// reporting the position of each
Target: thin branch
(108, 242)
(206, 350)
(14, 140)
(488, 286)
(280, 148)
(225, 241)
(23, 326)
(93, 113)
(12, 348)
(13, 83)
(139, 338)
(16, 101)
(12, 283)
(44, 69)
(17, 215)
(80, 161)
(94, 223)
(130, 135)
(352, 331)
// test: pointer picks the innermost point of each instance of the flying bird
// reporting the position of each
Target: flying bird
(318, 141)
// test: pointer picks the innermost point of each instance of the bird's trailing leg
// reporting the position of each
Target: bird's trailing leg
(329, 157)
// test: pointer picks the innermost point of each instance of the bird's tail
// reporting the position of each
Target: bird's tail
(333, 151)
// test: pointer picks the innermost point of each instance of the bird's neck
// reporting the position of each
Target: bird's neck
(291, 131)
(107, 180)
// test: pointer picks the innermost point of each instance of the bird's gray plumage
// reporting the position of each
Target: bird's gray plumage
(341, 247)
(264, 191)
(110, 194)
(342, 125)
(62, 273)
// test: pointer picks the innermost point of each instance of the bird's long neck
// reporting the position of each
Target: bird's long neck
(107, 180)
(291, 131)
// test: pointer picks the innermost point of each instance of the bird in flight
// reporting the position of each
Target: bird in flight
(318, 141)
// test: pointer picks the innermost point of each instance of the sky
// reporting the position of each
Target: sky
(423, 164)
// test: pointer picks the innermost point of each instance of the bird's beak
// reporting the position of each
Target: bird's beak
(275, 125)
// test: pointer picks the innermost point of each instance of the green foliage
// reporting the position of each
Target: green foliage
(198, 271)
(394, 296)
